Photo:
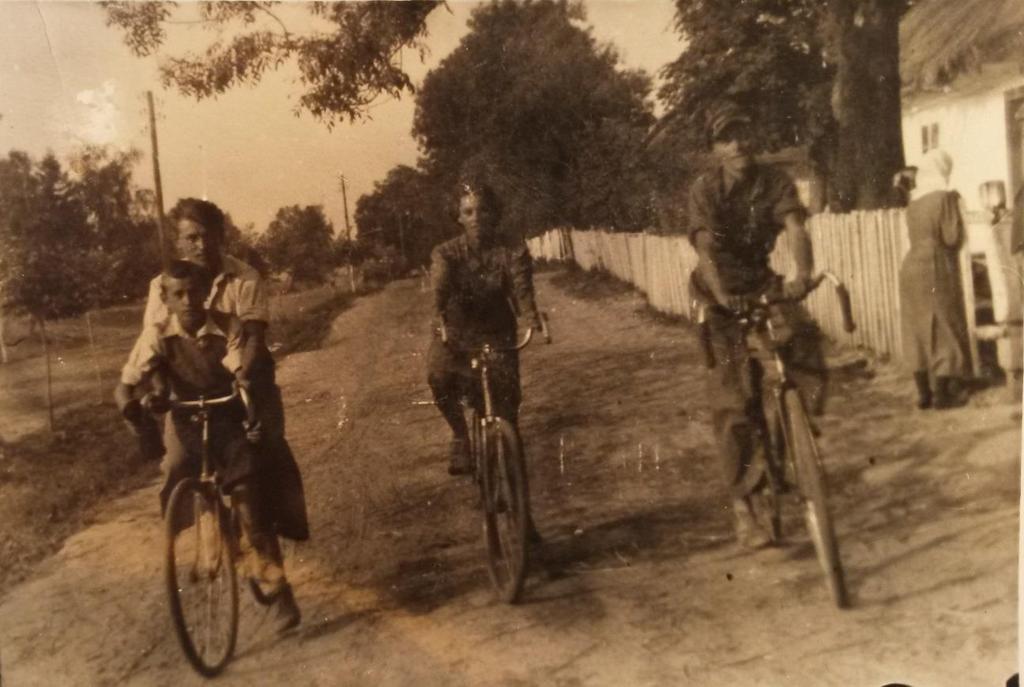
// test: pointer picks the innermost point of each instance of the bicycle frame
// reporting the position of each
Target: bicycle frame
(758, 322)
(203, 407)
(480, 362)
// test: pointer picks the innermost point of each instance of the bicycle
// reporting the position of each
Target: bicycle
(500, 473)
(202, 550)
(790, 444)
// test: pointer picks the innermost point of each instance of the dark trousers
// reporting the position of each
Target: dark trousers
(276, 480)
(734, 384)
(450, 377)
(278, 477)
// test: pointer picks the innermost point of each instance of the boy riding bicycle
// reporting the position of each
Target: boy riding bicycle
(194, 353)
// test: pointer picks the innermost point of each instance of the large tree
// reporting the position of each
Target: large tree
(404, 211)
(299, 240)
(530, 97)
(45, 263)
(346, 53)
(824, 75)
(119, 215)
(47, 270)
(864, 44)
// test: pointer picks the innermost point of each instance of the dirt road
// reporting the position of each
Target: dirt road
(639, 582)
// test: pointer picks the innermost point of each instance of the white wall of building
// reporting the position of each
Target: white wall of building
(971, 128)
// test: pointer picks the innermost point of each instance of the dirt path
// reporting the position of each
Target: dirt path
(640, 583)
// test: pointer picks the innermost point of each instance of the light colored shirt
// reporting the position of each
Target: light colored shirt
(152, 348)
(238, 291)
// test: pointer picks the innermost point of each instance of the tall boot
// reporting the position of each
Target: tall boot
(950, 392)
(924, 391)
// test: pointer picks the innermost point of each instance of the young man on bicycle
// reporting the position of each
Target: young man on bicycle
(192, 353)
(238, 292)
(482, 281)
(737, 211)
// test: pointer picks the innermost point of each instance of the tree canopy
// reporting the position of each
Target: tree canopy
(44, 263)
(547, 113)
(405, 211)
(123, 236)
(300, 240)
(346, 53)
(822, 75)
(765, 54)
(72, 241)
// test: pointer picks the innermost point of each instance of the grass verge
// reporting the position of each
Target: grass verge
(52, 485)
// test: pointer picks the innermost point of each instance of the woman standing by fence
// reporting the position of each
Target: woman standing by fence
(934, 319)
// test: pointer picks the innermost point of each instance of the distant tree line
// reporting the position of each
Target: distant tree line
(76, 237)
(568, 134)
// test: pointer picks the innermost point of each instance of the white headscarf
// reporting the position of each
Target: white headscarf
(933, 172)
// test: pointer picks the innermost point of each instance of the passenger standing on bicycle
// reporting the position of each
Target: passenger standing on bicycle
(736, 212)
(192, 353)
(239, 293)
(482, 281)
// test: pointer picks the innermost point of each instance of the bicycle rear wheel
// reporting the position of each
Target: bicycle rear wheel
(505, 509)
(810, 477)
(200, 575)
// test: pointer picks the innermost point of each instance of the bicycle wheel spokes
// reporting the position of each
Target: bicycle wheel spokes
(505, 510)
(811, 482)
(200, 576)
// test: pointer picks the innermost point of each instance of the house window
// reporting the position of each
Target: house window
(929, 137)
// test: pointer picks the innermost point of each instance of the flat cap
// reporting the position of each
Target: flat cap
(722, 115)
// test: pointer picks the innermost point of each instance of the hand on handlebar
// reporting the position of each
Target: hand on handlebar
(797, 288)
(738, 305)
(154, 402)
(253, 431)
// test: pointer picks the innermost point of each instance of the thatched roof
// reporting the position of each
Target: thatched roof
(940, 39)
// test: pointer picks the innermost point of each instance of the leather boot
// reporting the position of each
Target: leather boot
(459, 461)
(924, 390)
(949, 393)
(286, 611)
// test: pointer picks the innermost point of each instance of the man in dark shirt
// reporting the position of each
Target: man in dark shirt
(482, 282)
(737, 211)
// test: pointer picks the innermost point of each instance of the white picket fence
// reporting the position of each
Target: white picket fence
(864, 248)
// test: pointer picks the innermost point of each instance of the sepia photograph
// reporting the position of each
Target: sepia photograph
(511, 343)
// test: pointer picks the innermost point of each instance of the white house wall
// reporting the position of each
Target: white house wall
(972, 129)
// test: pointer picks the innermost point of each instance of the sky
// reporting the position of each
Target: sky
(66, 80)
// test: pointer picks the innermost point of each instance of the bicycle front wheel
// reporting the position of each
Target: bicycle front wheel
(505, 509)
(811, 481)
(200, 574)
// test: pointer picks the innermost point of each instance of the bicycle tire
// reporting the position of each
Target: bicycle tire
(505, 509)
(475, 442)
(810, 476)
(767, 500)
(200, 566)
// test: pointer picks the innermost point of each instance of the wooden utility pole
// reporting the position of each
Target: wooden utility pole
(156, 181)
(344, 200)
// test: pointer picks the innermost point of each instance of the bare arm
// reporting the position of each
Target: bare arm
(254, 346)
(522, 284)
(800, 247)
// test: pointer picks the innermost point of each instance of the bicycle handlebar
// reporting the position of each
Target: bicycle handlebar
(239, 392)
(527, 337)
(838, 286)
